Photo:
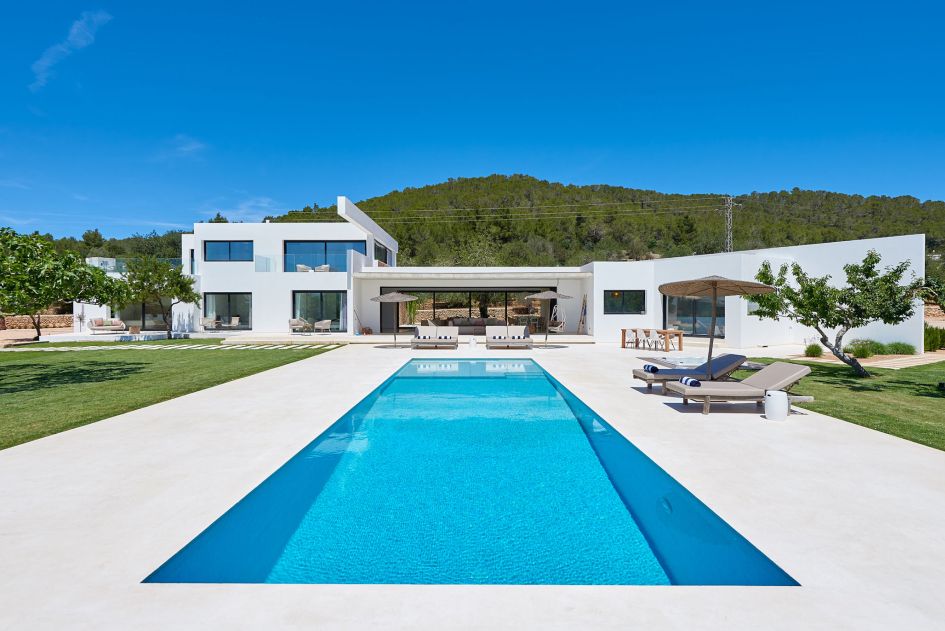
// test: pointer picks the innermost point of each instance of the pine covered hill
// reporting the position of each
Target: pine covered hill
(520, 220)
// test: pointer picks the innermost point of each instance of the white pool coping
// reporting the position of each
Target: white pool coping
(856, 516)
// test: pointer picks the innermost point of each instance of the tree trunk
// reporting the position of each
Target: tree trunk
(837, 349)
(36, 324)
(3, 322)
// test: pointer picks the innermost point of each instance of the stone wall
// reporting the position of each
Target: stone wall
(45, 321)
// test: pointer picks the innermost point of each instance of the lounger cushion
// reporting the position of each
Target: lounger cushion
(717, 389)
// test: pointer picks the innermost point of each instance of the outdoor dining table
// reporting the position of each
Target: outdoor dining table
(637, 332)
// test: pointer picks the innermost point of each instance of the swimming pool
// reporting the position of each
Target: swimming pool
(471, 472)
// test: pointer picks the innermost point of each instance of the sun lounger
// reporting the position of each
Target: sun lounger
(508, 337)
(776, 376)
(497, 336)
(519, 337)
(722, 367)
(435, 337)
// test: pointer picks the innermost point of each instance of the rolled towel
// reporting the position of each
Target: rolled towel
(690, 381)
(650, 368)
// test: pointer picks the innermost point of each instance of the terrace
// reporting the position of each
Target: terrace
(813, 493)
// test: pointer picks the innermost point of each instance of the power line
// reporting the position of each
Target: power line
(567, 215)
(538, 206)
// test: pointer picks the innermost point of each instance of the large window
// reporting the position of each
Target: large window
(321, 305)
(381, 253)
(233, 311)
(228, 250)
(444, 306)
(309, 256)
(617, 301)
(147, 316)
(693, 316)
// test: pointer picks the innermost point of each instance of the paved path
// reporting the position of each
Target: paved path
(889, 361)
(165, 347)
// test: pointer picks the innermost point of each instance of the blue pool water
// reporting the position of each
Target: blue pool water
(471, 471)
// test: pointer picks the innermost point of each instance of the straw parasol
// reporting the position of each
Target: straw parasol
(714, 286)
(547, 295)
(394, 296)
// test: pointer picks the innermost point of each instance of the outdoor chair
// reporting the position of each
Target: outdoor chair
(654, 339)
(722, 367)
(323, 326)
(233, 323)
(210, 324)
(776, 376)
(300, 325)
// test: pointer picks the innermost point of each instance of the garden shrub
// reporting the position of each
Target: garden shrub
(861, 349)
(934, 338)
(813, 350)
(900, 348)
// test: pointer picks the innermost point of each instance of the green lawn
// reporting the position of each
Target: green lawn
(46, 393)
(162, 342)
(904, 403)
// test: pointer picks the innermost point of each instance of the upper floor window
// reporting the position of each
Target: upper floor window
(381, 253)
(228, 250)
(625, 301)
(320, 256)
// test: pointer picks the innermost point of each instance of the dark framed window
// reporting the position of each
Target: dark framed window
(314, 306)
(309, 256)
(381, 253)
(232, 311)
(228, 250)
(624, 301)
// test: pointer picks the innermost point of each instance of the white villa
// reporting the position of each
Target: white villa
(257, 276)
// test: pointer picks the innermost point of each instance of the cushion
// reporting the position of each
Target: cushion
(650, 368)
(690, 381)
(97, 322)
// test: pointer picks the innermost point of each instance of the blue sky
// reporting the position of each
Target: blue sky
(138, 116)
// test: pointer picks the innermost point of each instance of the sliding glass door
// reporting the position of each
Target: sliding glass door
(693, 316)
(314, 306)
(233, 311)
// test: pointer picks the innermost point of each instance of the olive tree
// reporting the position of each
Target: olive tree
(34, 276)
(869, 295)
(157, 282)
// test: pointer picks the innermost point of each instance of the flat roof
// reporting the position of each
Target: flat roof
(445, 273)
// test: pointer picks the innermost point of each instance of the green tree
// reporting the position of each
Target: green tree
(34, 276)
(218, 218)
(93, 239)
(870, 295)
(156, 282)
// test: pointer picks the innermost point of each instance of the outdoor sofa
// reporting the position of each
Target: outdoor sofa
(508, 337)
(106, 325)
(776, 376)
(435, 337)
(722, 367)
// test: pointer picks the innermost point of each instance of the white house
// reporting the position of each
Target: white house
(256, 276)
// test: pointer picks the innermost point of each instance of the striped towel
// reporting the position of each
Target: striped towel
(423, 337)
(650, 368)
(690, 381)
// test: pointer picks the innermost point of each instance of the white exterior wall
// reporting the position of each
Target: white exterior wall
(741, 329)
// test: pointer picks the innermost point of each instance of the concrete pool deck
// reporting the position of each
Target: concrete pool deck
(856, 516)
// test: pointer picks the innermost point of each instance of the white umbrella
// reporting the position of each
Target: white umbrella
(547, 295)
(714, 286)
(394, 296)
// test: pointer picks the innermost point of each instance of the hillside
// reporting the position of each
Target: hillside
(520, 220)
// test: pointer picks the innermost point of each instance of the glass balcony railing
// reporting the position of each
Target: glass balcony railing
(120, 265)
(316, 262)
